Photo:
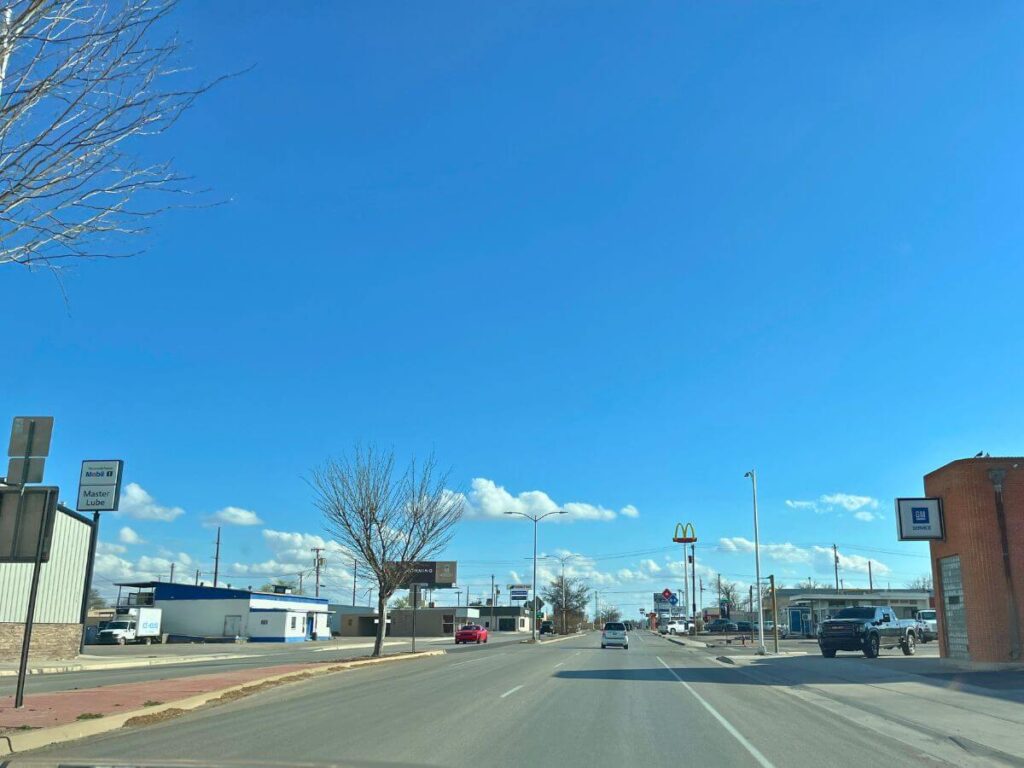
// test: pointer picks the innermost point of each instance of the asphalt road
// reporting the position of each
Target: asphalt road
(568, 704)
(261, 656)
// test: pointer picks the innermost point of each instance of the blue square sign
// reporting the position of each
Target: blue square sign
(919, 519)
(920, 515)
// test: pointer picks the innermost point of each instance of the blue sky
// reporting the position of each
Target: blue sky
(617, 253)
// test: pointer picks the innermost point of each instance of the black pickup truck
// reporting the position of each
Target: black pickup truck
(867, 628)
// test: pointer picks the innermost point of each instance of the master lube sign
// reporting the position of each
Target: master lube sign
(99, 487)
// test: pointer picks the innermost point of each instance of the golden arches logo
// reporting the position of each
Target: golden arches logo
(684, 534)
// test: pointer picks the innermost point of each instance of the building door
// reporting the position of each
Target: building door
(232, 626)
(954, 611)
(309, 626)
(448, 624)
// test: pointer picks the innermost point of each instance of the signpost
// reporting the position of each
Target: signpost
(30, 444)
(920, 519)
(99, 485)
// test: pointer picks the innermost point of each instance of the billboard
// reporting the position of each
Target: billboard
(436, 574)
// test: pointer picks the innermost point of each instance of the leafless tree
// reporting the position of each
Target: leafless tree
(81, 82)
(390, 519)
(923, 582)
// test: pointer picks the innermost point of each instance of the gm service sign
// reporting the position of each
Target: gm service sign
(919, 519)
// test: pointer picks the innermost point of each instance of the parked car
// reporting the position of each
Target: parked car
(868, 629)
(678, 626)
(136, 625)
(547, 628)
(746, 627)
(471, 633)
(614, 633)
(662, 626)
(721, 625)
(929, 625)
(769, 629)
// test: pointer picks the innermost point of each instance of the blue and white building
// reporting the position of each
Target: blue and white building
(219, 612)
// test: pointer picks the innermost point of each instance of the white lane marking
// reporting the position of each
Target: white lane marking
(510, 691)
(577, 653)
(754, 752)
(474, 661)
(559, 664)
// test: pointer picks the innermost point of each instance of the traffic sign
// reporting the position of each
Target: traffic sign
(20, 534)
(674, 600)
(518, 594)
(666, 593)
(41, 428)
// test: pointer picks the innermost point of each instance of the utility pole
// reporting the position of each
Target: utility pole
(317, 562)
(172, 573)
(750, 600)
(701, 594)
(752, 474)
(492, 603)
(300, 582)
(693, 581)
(719, 593)
(597, 609)
(197, 577)
(871, 581)
(835, 557)
(216, 559)
(775, 615)
(354, 564)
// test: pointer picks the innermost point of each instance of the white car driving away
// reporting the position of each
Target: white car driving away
(615, 634)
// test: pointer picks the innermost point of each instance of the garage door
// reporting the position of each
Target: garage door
(954, 610)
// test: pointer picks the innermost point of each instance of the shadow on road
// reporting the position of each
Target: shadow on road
(793, 671)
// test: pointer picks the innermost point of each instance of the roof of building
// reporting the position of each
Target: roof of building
(165, 590)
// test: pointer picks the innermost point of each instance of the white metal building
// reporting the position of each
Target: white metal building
(62, 596)
(219, 612)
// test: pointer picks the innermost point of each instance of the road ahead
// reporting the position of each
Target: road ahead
(566, 703)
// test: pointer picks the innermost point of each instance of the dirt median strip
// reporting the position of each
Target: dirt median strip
(13, 742)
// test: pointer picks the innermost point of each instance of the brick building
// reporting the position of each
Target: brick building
(62, 599)
(979, 568)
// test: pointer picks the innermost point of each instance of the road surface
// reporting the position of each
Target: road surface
(567, 704)
(251, 655)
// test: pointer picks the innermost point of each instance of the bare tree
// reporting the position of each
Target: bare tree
(390, 520)
(923, 582)
(81, 82)
(606, 615)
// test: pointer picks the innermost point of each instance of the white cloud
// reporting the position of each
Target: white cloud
(105, 548)
(828, 502)
(488, 499)
(137, 503)
(819, 558)
(291, 554)
(233, 516)
(650, 566)
(128, 536)
(849, 501)
(866, 515)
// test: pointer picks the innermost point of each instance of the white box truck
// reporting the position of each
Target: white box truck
(136, 625)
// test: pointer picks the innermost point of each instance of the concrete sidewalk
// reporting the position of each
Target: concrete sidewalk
(87, 663)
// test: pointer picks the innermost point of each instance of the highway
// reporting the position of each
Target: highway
(567, 703)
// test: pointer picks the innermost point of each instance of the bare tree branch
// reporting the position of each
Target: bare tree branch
(80, 82)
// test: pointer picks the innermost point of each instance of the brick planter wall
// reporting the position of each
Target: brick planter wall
(49, 641)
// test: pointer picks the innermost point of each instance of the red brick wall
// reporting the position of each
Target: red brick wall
(49, 641)
(972, 532)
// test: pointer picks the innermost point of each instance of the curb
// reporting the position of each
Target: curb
(685, 643)
(79, 666)
(13, 743)
(559, 639)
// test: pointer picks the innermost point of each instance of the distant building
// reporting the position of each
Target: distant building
(354, 620)
(208, 613)
(802, 609)
(433, 622)
(506, 618)
(62, 598)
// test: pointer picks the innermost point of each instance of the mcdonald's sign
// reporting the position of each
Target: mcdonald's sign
(684, 534)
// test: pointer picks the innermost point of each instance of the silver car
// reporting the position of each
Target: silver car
(615, 634)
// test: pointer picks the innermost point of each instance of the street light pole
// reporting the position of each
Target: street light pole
(752, 474)
(536, 519)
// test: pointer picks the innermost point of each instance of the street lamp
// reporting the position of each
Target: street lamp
(562, 559)
(752, 474)
(536, 519)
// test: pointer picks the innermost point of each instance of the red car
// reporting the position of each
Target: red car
(471, 633)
